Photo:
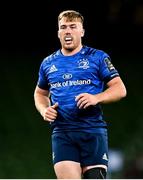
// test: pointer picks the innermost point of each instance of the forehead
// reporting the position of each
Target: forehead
(67, 21)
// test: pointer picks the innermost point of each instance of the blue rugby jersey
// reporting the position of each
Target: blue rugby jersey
(66, 77)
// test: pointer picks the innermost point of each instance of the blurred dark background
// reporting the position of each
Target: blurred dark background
(28, 33)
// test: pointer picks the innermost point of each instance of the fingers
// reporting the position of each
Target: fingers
(79, 96)
(50, 113)
(85, 100)
(55, 105)
(82, 100)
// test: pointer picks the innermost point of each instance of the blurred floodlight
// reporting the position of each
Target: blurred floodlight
(115, 160)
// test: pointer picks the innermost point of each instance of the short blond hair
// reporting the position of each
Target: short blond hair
(71, 15)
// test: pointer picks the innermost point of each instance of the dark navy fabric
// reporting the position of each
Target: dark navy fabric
(85, 148)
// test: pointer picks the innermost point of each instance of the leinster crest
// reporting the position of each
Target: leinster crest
(83, 63)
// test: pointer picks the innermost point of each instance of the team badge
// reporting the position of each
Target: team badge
(83, 63)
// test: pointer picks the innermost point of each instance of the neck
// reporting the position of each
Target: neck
(67, 52)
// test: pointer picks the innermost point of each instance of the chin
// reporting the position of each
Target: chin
(69, 47)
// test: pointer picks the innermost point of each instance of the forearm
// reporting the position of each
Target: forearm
(41, 102)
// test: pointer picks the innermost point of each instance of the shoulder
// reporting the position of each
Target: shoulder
(46, 62)
(51, 57)
(94, 52)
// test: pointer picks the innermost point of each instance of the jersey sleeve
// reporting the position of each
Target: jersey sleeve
(107, 70)
(42, 80)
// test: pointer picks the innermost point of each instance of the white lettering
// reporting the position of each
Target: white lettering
(70, 83)
(55, 85)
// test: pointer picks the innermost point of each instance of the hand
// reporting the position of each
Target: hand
(85, 100)
(50, 113)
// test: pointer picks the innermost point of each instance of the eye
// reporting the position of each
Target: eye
(73, 26)
(63, 27)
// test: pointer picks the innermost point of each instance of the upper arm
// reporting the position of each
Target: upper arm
(39, 91)
(117, 80)
(118, 85)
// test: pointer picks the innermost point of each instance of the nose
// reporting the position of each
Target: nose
(68, 29)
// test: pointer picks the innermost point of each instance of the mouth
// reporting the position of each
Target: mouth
(68, 40)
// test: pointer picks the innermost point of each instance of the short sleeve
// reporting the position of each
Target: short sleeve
(42, 80)
(107, 70)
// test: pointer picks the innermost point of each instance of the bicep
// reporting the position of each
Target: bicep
(42, 92)
(115, 81)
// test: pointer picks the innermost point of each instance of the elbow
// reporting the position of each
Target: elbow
(123, 92)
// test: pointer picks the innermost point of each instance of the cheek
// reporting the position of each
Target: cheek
(80, 34)
(58, 34)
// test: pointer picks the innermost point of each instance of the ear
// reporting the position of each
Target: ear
(83, 32)
(58, 34)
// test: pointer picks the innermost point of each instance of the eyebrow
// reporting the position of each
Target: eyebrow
(70, 25)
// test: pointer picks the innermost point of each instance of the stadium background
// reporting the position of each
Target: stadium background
(28, 34)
